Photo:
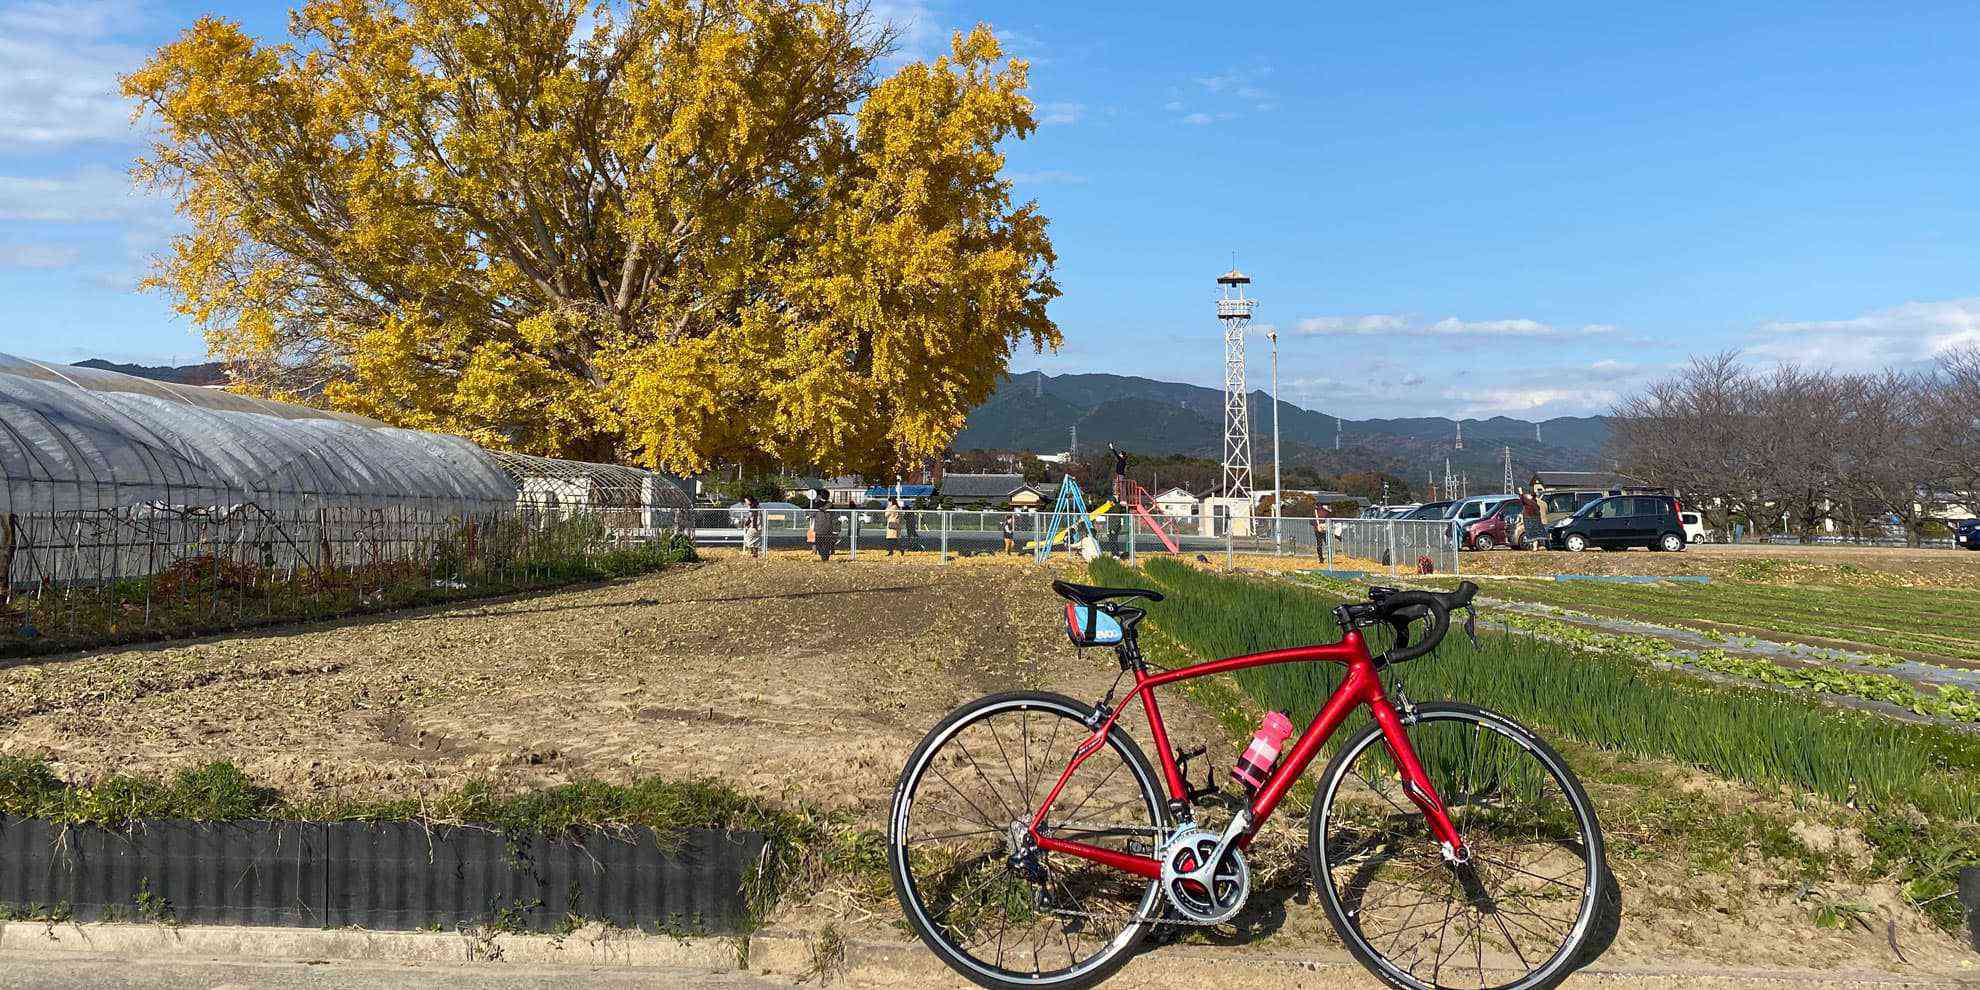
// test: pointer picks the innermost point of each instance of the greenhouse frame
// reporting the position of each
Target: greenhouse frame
(123, 500)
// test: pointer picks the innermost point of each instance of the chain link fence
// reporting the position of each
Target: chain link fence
(1388, 546)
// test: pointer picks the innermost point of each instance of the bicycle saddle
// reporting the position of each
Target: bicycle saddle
(1086, 594)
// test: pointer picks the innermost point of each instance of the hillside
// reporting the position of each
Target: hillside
(1036, 412)
(210, 373)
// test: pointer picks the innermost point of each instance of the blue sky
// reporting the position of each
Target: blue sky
(1465, 210)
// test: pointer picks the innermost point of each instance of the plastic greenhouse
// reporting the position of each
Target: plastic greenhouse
(107, 479)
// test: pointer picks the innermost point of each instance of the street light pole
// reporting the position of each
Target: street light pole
(1278, 492)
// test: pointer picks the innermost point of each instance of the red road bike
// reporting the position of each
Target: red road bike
(1033, 845)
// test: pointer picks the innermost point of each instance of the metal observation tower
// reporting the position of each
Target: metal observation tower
(1234, 310)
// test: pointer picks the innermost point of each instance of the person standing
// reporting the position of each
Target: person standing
(1320, 516)
(1120, 473)
(894, 526)
(1010, 532)
(1529, 527)
(824, 530)
(752, 526)
(912, 538)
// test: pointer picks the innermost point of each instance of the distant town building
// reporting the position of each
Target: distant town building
(989, 491)
(1178, 502)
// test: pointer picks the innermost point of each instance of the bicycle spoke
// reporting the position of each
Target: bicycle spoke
(986, 892)
(1512, 905)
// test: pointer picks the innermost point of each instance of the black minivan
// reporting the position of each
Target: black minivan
(1619, 522)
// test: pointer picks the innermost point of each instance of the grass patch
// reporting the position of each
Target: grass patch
(204, 594)
(1942, 622)
(1915, 788)
(805, 844)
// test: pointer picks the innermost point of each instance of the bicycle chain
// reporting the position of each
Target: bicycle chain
(1139, 919)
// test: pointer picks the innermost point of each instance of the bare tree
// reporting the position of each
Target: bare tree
(1952, 426)
(1887, 464)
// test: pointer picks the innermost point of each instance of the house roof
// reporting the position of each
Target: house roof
(1176, 494)
(1588, 479)
(904, 491)
(981, 485)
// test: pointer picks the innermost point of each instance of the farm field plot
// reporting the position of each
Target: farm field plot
(1928, 623)
(780, 678)
(807, 684)
(1742, 821)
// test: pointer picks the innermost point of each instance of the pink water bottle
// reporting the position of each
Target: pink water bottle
(1256, 762)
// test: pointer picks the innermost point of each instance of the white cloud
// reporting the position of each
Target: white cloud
(58, 73)
(37, 256)
(92, 193)
(918, 34)
(1061, 112)
(1197, 119)
(1906, 334)
(1384, 324)
(1531, 402)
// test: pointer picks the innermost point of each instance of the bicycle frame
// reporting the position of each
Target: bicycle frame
(1361, 686)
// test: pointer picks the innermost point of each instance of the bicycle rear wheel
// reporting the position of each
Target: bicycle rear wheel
(1516, 914)
(995, 909)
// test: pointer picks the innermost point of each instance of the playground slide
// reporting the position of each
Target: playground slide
(1095, 515)
(1149, 521)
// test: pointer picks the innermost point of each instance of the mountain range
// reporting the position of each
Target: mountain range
(1037, 412)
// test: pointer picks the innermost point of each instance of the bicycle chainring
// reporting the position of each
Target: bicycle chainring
(1204, 897)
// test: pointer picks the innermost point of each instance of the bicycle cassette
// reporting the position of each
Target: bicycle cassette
(1203, 892)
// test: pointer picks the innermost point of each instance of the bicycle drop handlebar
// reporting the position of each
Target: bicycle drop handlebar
(1402, 608)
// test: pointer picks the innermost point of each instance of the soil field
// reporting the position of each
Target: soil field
(805, 681)
(780, 677)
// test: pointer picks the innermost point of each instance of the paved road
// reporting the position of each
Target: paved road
(69, 971)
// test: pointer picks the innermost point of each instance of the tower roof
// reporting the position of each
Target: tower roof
(1234, 277)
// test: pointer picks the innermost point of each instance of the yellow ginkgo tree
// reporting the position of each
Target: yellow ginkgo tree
(686, 231)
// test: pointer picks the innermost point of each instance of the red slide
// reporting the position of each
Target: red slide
(1144, 506)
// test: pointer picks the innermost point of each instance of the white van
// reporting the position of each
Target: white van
(1694, 527)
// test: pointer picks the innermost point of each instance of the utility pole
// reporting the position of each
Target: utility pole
(1278, 492)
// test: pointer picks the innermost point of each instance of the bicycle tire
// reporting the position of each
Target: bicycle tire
(1563, 959)
(1086, 973)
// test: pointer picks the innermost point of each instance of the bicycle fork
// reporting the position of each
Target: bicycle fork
(1416, 783)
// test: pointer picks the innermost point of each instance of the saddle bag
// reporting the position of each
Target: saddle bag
(1088, 626)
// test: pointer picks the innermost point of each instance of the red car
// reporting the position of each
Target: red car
(1496, 529)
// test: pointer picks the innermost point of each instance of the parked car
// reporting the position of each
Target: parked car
(1622, 521)
(1469, 512)
(1430, 510)
(1967, 534)
(1559, 505)
(1496, 529)
(1694, 527)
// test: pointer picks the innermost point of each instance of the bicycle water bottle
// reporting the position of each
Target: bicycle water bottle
(1256, 762)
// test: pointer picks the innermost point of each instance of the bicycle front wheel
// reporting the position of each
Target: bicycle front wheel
(1516, 914)
(983, 898)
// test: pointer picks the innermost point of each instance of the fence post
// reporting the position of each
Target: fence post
(1392, 548)
(1327, 545)
(945, 536)
(762, 533)
(1230, 541)
(1133, 525)
(1457, 549)
(853, 552)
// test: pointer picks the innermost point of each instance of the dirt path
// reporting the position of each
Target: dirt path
(709, 671)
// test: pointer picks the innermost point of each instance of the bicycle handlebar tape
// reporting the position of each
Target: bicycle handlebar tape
(1404, 607)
